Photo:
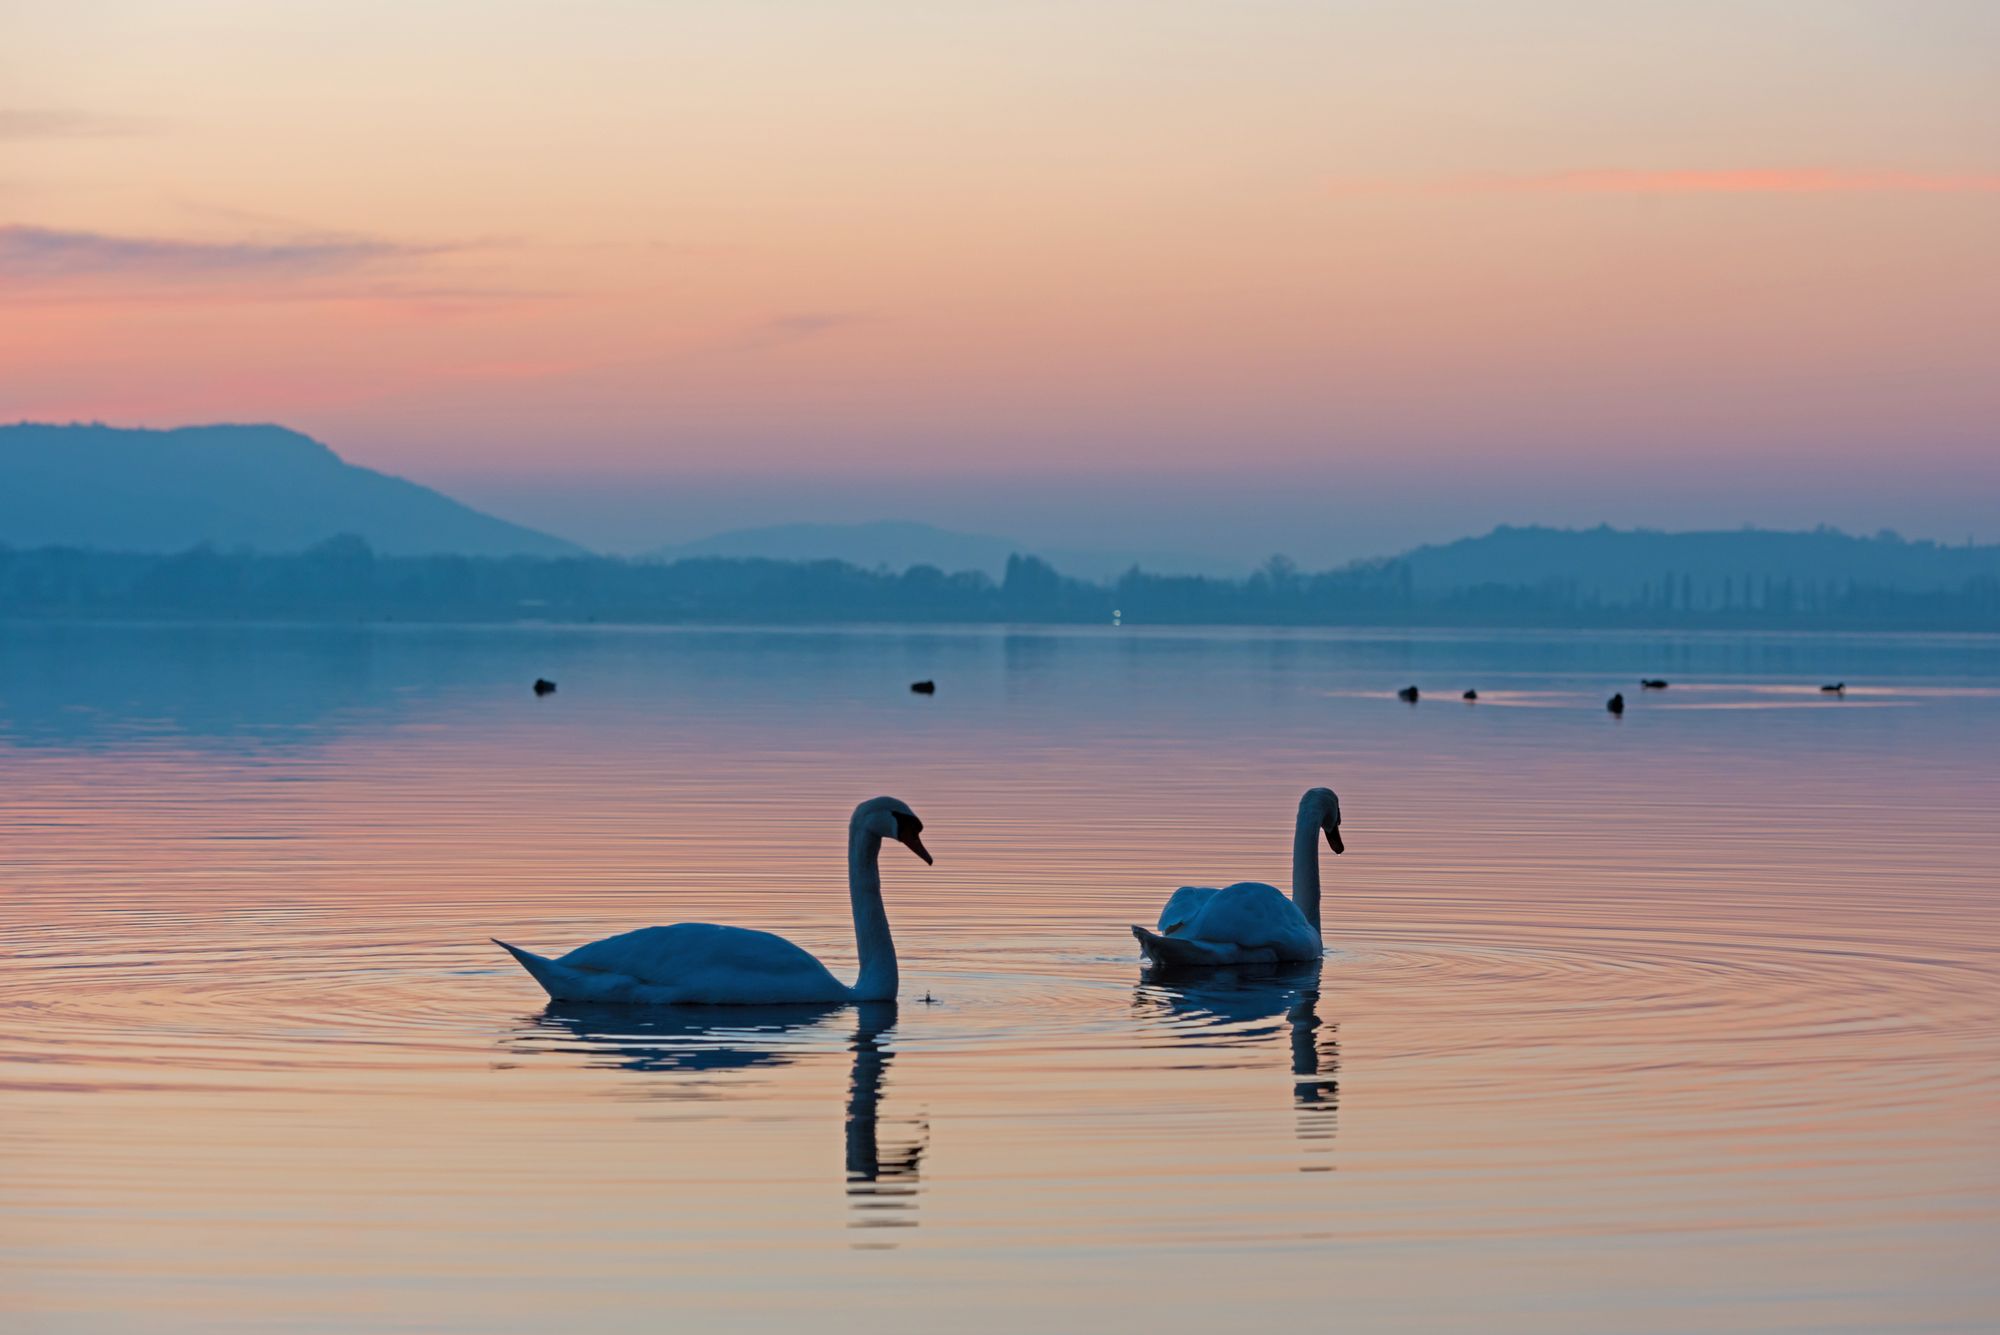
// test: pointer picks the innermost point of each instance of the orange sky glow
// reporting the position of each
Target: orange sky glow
(490, 244)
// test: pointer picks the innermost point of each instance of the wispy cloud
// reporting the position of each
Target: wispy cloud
(57, 123)
(29, 253)
(1729, 181)
(802, 325)
(47, 266)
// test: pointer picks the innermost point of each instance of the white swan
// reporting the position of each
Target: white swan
(1250, 922)
(700, 964)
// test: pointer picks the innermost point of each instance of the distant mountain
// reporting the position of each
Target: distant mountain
(1701, 569)
(900, 544)
(253, 486)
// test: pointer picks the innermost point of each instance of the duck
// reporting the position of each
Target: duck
(924, 687)
(543, 686)
(1838, 688)
(1250, 922)
(1653, 683)
(1469, 696)
(1616, 704)
(1408, 695)
(702, 964)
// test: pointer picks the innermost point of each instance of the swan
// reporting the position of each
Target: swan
(1249, 922)
(700, 964)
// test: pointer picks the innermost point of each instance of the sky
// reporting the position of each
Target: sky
(1233, 278)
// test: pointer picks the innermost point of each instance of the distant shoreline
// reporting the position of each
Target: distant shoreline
(1355, 631)
(343, 581)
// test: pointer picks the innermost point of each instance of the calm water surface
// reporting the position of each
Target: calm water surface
(1685, 1021)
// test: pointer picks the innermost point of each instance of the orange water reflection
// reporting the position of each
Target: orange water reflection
(1686, 1021)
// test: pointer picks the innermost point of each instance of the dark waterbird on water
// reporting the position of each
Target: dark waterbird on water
(1837, 688)
(1408, 695)
(925, 687)
(1653, 683)
(1470, 695)
(1616, 704)
(543, 686)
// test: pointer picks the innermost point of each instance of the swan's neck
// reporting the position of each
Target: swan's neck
(1305, 868)
(871, 923)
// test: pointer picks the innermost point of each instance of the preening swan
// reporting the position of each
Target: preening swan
(1250, 922)
(700, 964)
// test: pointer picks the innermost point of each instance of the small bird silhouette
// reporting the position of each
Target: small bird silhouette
(1838, 688)
(1616, 704)
(1470, 695)
(1408, 695)
(1653, 683)
(543, 686)
(924, 687)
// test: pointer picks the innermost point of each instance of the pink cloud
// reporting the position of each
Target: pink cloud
(29, 253)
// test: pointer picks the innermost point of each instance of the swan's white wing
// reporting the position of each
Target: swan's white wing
(1182, 952)
(1258, 920)
(1182, 906)
(693, 963)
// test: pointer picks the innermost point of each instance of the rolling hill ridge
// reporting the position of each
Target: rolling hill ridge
(265, 487)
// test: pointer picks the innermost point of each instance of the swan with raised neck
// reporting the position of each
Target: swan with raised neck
(1251, 922)
(695, 963)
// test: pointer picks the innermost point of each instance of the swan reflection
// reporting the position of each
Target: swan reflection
(1249, 1007)
(694, 1044)
(881, 1178)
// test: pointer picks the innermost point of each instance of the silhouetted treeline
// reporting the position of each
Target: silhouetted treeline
(343, 580)
(1714, 570)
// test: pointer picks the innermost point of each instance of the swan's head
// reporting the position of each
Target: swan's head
(888, 818)
(1323, 808)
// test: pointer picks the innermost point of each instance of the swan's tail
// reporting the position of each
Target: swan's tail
(545, 971)
(1178, 951)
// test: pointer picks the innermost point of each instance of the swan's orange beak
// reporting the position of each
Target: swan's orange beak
(1333, 839)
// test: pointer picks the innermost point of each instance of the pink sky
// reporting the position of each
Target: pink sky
(840, 261)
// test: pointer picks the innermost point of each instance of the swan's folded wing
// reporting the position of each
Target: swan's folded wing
(1179, 952)
(702, 963)
(1183, 905)
(1256, 917)
(661, 954)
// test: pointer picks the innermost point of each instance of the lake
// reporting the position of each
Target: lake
(1681, 1021)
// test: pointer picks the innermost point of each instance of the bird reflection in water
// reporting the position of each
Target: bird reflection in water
(881, 1178)
(1244, 1007)
(701, 1046)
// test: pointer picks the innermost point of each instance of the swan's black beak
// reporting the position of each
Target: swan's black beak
(1333, 839)
(908, 829)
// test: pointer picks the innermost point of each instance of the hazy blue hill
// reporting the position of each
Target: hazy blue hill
(900, 544)
(893, 543)
(257, 486)
(1701, 569)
